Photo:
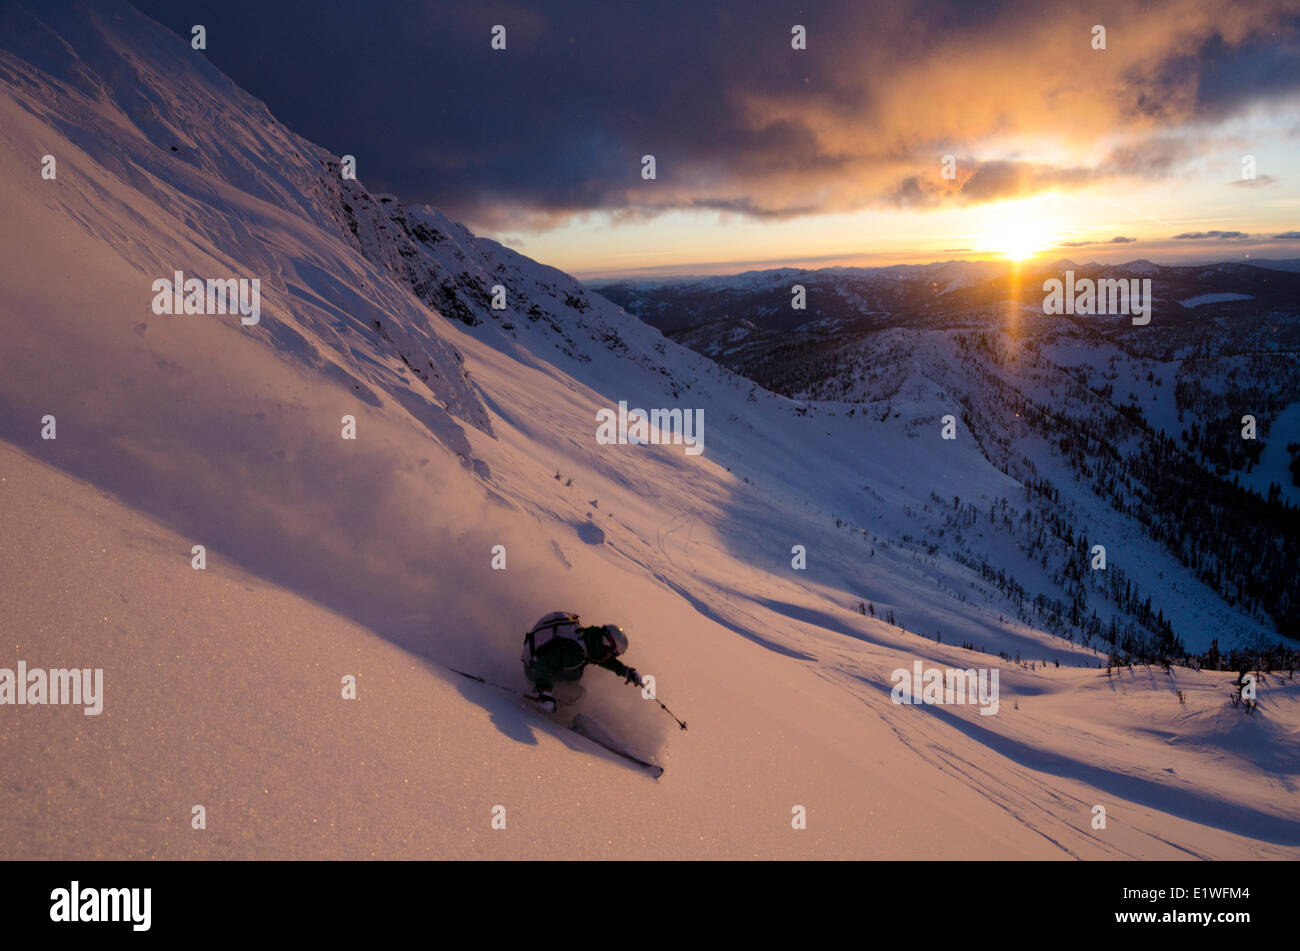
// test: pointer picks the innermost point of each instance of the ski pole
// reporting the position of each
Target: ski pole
(681, 723)
(483, 680)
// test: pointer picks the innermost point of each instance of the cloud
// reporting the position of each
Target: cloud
(1210, 236)
(1257, 181)
(981, 182)
(1287, 236)
(1118, 239)
(740, 123)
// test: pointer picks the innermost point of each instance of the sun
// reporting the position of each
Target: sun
(1017, 237)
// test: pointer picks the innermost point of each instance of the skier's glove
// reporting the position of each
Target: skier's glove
(633, 677)
(546, 703)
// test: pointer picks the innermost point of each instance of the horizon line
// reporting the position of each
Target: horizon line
(734, 268)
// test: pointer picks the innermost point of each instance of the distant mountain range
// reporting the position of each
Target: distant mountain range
(1082, 406)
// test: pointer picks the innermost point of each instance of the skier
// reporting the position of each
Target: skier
(558, 649)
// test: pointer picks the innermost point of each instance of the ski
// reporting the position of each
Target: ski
(586, 727)
(582, 725)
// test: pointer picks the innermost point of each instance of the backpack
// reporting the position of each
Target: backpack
(557, 624)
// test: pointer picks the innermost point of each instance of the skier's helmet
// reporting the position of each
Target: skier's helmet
(616, 640)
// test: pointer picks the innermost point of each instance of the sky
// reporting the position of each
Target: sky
(903, 132)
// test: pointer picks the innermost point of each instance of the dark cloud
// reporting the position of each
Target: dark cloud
(1287, 236)
(1219, 76)
(1210, 236)
(1262, 68)
(556, 125)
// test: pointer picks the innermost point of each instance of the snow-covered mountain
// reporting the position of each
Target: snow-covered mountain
(770, 584)
(1123, 430)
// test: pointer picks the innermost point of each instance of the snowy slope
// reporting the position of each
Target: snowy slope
(1109, 433)
(329, 557)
